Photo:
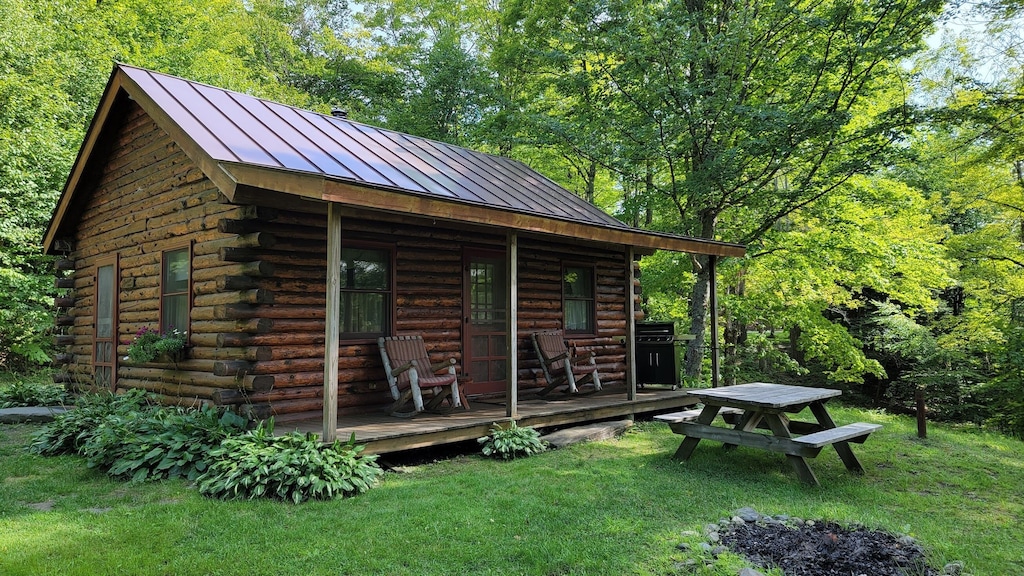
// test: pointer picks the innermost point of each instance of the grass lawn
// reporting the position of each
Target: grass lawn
(613, 507)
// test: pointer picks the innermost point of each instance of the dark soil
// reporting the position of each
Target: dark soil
(827, 549)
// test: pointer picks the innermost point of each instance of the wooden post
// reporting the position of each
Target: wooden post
(512, 330)
(333, 322)
(922, 421)
(712, 264)
(631, 327)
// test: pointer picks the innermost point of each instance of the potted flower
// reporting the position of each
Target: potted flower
(149, 344)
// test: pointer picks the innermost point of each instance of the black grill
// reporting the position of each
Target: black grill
(656, 359)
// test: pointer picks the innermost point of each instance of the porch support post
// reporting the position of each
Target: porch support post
(630, 326)
(512, 328)
(713, 264)
(333, 323)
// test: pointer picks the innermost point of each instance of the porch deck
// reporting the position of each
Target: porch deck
(381, 433)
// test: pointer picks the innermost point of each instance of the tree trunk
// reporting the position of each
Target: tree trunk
(700, 299)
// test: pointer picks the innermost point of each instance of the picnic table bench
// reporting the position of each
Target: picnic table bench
(764, 405)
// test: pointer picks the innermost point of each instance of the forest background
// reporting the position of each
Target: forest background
(866, 152)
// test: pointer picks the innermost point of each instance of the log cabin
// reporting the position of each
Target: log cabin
(284, 242)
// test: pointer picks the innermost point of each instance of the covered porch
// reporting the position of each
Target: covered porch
(381, 433)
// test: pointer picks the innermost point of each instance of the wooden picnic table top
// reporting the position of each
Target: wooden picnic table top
(761, 395)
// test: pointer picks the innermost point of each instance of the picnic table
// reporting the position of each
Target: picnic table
(765, 405)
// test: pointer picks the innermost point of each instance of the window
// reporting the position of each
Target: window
(174, 290)
(578, 299)
(104, 344)
(365, 292)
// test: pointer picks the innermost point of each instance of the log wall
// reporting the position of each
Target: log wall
(146, 196)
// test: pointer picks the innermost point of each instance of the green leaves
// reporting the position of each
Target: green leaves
(292, 467)
(511, 442)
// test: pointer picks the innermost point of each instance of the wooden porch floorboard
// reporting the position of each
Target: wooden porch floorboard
(381, 433)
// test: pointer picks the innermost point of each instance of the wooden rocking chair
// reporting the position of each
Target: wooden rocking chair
(410, 373)
(562, 365)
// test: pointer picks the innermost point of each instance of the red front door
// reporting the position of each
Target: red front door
(485, 341)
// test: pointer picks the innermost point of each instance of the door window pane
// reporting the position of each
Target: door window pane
(105, 301)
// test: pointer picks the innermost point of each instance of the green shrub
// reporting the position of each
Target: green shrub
(511, 442)
(293, 467)
(70, 431)
(148, 344)
(156, 442)
(28, 393)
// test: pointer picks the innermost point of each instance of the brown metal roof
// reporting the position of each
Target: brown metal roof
(239, 128)
(239, 139)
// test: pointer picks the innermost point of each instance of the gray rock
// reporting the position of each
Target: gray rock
(906, 541)
(704, 546)
(719, 550)
(587, 433)
(737, 520)
(30, 414)
(714, 537)
(953, 569)
(748, 514)
(749, 572)
(710, 529)
(687, 533)
(683, 546)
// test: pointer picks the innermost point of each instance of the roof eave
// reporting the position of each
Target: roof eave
(315, 187)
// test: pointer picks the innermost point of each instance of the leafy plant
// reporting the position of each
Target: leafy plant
(149, 344)
(293, 467)
(511, 442)
(157, 442)
(70, 431)
(28, 393)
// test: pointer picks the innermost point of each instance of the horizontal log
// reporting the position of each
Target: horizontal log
(250, 240)
(251, 326)
(62, 359)
(62, 378)
(214, 271)
(64, 320)
(236, 368)
(169, 389)
(197, 378)
(257, 296)
(63, 265)
(256, 411)
(63, 302)
(276, 339)
(64, 283)
(248, 353)
(223, 284)
(63, 340)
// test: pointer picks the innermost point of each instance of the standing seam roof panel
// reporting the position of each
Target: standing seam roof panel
(388, 154)
(270, 116)
(453, 179)
(239, 140)
(192, 126)
(487, 188)
(252, 124)
(370, 172)
(501, 177)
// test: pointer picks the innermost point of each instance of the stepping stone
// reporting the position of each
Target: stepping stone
(30, 414)
(587, 433)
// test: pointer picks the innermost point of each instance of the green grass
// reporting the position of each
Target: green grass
(614, 507)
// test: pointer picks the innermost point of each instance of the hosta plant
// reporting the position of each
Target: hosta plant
(511, 442)
(292, 467)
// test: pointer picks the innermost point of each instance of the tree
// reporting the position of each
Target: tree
(745, 113)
